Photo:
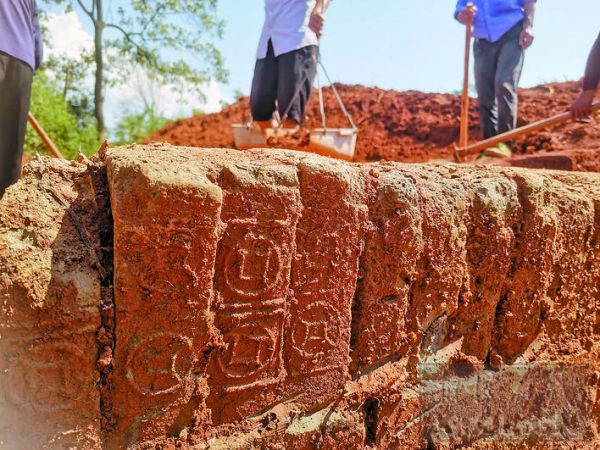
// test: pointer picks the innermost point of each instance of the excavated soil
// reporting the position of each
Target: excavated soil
(403, 126)
(277, 299)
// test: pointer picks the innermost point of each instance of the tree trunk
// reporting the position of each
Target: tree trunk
(99, 85)
(67, 81)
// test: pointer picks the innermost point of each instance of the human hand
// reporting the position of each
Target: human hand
(316, 23)
(581, 108)
(467, 15)
(526, 38)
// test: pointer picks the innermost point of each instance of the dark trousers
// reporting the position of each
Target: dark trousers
(16, 78)
(498, 67)
(278, 79)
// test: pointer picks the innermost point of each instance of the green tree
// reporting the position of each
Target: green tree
(70, 132)
(172, 39)
(135, 127)
(69, 75)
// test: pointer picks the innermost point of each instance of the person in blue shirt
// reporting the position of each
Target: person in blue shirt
(503, 30)
(20, 56)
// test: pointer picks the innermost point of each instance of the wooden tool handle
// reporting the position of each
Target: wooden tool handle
(513, 134)
(464, 104)
(464, 110)
(52, 148)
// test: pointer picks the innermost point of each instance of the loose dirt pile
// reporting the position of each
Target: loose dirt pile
(402, 126)
(283, 300)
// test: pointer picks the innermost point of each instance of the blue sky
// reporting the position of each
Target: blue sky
(401, 44)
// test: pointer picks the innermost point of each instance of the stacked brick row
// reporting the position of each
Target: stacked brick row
(283, 299)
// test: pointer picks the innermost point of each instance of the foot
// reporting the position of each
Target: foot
(483, 157)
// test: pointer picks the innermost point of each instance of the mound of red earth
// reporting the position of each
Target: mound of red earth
(277, 299)
(403, 126)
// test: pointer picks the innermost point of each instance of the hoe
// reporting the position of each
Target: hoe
(48, 143)
(461, 152)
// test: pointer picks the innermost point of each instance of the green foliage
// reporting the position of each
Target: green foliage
(69, 76)
(198, 112)
(172, 40)
(135, 127)
(69, 131)
(238, 95)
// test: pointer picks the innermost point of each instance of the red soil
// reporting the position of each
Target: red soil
(402, 126)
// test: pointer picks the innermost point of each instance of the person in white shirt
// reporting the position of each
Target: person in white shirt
(286, 60)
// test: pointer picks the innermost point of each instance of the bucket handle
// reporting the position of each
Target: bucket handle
(338, 97)
(321, 102)
(294, 98)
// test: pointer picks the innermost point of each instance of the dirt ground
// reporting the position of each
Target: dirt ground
(407, 126)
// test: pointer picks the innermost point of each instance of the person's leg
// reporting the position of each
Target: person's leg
(510, 65)
(15, 85)
(485, 53)
(264, 89)
(297, 71)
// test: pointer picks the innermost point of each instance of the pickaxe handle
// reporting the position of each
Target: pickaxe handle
(52, 148)
(464, 110)
(518, 132)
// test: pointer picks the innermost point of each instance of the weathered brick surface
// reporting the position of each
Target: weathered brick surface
(252, 280)
(282, 300)
(324, 274)
(166, 224)
(492, 221)
(50, 295)
(393, 249)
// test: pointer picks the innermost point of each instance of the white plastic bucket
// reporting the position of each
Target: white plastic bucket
(337, 140)
(246, 137)
(333, 142)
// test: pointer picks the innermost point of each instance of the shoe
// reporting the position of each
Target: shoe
(483, 157)
(501, 151)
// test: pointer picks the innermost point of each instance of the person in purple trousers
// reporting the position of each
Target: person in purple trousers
(20, 55)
